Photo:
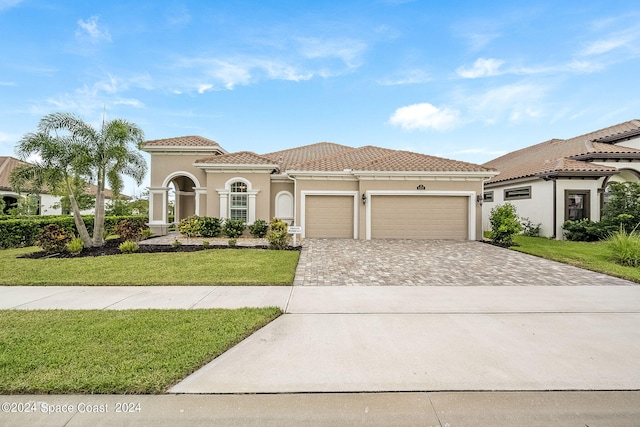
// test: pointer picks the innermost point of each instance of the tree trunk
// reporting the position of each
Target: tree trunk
(98, 218)
(77, 218)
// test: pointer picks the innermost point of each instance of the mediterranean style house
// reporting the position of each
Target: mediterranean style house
(326, 189)
(564, 179)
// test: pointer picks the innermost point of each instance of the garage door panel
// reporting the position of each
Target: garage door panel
(419, 217)
(329, 216)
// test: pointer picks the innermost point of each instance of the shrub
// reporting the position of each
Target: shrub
(146, 233)
(25, 232)
(176, 244)
(210, 226)
(530, 229)
(234, 228)
(53, 238)
(128, 229)
(504, 224)
(259, 228)
(278, 236)
(190, 226)
(233, 242)
(206, 244)
(585, 230)
(75, 246)
(129, 247)
(625, 247)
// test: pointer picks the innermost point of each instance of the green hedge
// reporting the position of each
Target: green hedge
(24, 232)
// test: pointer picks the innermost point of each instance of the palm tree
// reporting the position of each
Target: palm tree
(104, 154)
(59, 165)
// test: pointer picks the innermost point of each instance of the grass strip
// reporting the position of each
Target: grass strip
(115, 352)
(210, 267)
(594, 256)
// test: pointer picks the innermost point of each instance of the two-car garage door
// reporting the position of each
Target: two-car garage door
(419, 217)
(390, 216)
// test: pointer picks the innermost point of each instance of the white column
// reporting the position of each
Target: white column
(224, 203)
(199, 192)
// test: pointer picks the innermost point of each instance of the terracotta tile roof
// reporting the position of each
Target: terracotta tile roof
(294, 156)
(347, 159)
(239, 158)
(182, 141)
(415, 162)
(567, 155)
(7, 165)
(376, 159)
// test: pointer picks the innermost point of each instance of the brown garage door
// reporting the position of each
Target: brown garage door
(329, 216)
(419, 217)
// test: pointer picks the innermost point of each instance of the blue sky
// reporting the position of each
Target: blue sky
(463, 80)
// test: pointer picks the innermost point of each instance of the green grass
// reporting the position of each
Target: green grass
(210, 267)
(115, 352)
(595, 256)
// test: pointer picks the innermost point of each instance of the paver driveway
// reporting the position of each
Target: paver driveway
(348, 262)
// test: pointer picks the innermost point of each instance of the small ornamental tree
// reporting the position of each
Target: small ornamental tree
(504, 224)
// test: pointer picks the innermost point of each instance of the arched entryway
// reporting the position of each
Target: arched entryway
(180, 194)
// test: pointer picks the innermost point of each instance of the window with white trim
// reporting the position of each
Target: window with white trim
(238, 201)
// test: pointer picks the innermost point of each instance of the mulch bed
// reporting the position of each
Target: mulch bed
(111, 248)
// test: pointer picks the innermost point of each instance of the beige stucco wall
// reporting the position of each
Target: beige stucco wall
(259, 181)
(165, 165)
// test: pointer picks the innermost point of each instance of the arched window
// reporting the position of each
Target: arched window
(239, 201)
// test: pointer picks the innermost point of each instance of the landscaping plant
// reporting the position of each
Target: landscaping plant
(53, 238)
(259, 228)
(504, 224)
(625, 247)
(234, 228)
(129, 247)
(278, 236)
(75, 246)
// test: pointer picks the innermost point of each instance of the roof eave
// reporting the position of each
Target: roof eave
(476, 174)
(235, 166)
(179, 148)
(606, 156)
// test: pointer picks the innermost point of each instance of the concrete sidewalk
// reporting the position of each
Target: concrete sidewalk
(435, 355)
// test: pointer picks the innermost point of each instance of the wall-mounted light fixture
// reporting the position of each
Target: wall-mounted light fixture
(479, 199)
(364, 199)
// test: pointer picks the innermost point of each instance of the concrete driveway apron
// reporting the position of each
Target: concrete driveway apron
(436, 316)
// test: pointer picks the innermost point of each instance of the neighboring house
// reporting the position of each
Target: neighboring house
(564, 179)
(327, 189)
(48, 204)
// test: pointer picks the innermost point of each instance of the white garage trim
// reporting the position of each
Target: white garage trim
(303, 204)
(471, 195)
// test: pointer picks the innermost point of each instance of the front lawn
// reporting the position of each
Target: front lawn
(208, 267)
(595, 256)
(115, 352)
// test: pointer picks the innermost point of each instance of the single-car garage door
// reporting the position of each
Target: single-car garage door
(329, 216)
(419, 217)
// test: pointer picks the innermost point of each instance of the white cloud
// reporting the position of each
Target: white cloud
(481, 68)
(8, 4)
(603, 46)
(346, 50)
(414, 76)
(512, 102)
(424, 116)
(129, 102)
(203, 88)
(89, 30)
(7, 84)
